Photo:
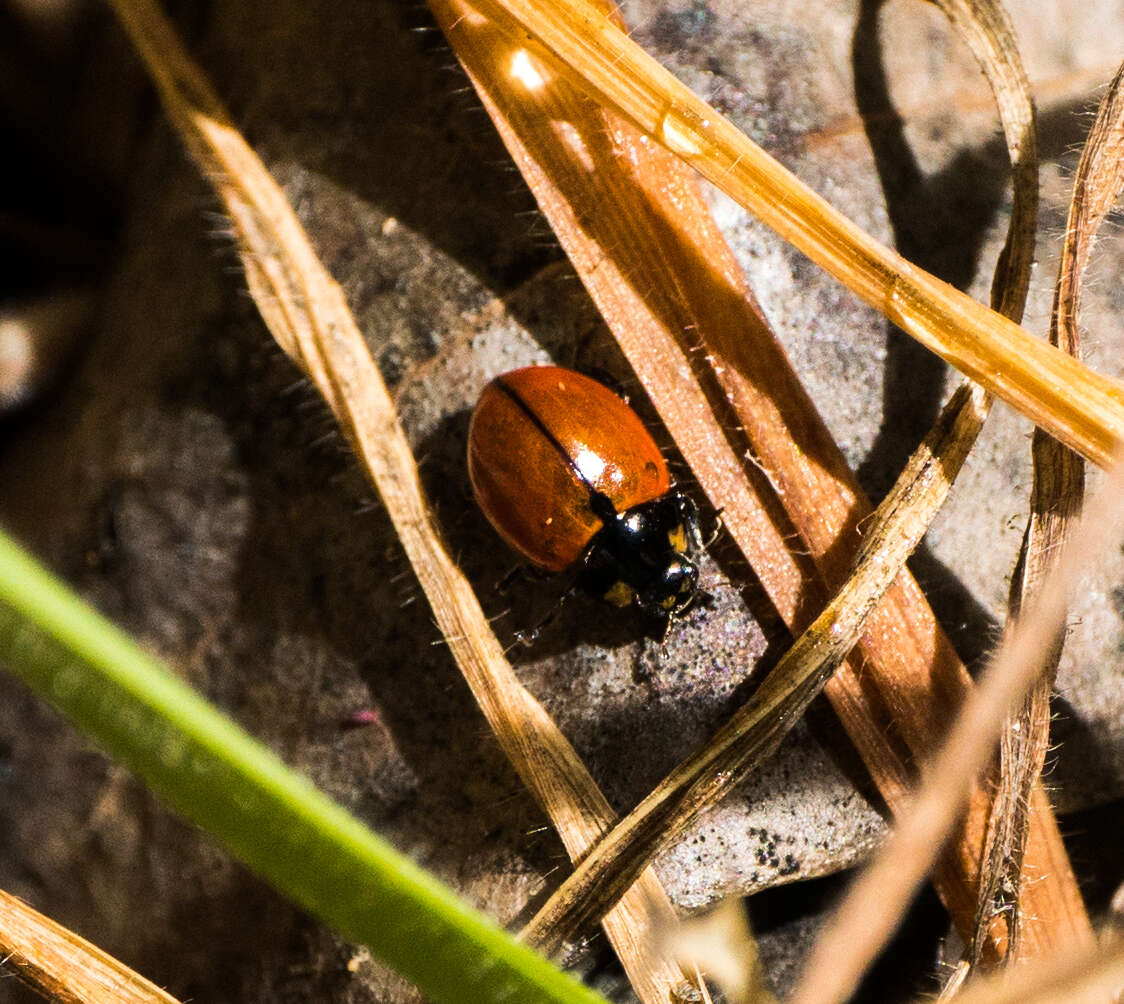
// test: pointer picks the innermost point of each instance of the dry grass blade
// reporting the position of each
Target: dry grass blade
(756, 729)
(1079, 407)
(985, 27)
(1097, 186)
(1056, 497)
(306, 312)
(61, 966)
(871, 910)
(1093, 975)
(908, 666)
(633, 224)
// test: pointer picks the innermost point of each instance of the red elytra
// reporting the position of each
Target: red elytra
(535, 435)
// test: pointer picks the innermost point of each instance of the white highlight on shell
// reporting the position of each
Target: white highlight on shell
(590, 465)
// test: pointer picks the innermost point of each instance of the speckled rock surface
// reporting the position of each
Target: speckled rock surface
(186, 481)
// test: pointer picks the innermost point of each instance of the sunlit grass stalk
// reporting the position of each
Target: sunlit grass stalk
(1079, 407)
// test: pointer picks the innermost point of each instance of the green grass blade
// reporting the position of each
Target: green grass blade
(275, 821)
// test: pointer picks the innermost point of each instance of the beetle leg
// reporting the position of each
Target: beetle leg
(528, 637)
(504, 585)
(518, 572)
(692, 520)
(719, 526)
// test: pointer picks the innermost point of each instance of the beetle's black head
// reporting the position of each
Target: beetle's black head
(639, 557)
(672, 590)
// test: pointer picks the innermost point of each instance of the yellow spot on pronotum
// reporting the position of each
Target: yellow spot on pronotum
(620, 594)
(677, 538)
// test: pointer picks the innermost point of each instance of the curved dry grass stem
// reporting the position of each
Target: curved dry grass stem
(59, 965)
(984, 26)
(1096, 189)
(1079, 407)
(1055, 502)
(307, 314)
(878, 898)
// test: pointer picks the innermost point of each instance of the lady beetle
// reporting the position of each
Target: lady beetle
(566, 472)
